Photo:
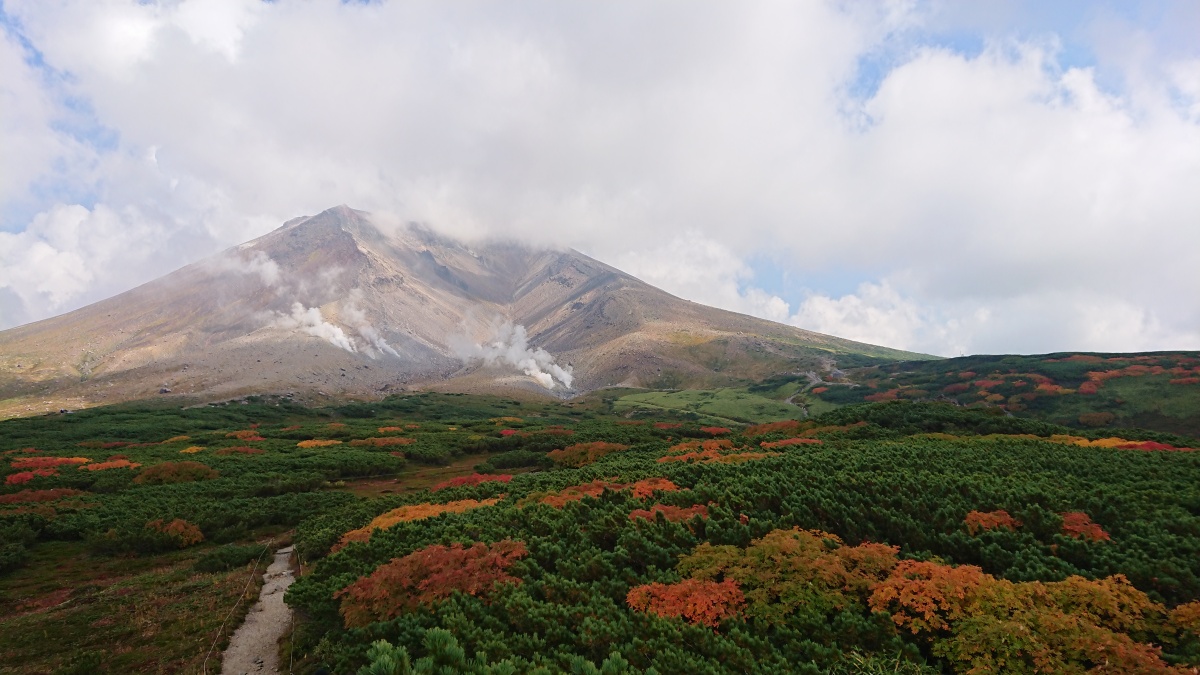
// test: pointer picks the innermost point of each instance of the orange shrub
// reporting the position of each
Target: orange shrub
(674, 514)
(383, 441)
(317, 443)
(114, 464)
(46, 462)
(1185, 380)
(889, 395)
(1077, 524)
(958, 388)
(185, 533)
(696, 601)
(388, 430)
(406, 514)
(820, 390)
(191, 451)
(648, 486)
(926, 596)
(716, 431)
(177, 439)
(667, 425)
(582, 454)
(979, 521)
(426, 576)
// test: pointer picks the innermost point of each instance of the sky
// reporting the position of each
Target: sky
(944, 177)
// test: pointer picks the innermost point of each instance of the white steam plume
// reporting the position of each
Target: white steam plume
(311, 321)
(509, 344)
(357, 319)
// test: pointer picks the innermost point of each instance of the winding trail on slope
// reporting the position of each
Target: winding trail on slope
(254, 647)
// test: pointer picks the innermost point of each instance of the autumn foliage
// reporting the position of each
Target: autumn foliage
(716, 431)
(35, 496)
(317, 443)
(582, 454)
(427, 575)
(22, 477)
(183, 532)
(46, 462)
(697, 601)
(675, 514)
(1077, 524)
(407, 514)
(980, 521)
(112, 464)
(641, 489)
(790, 441)
(473, 479)
(245, 435)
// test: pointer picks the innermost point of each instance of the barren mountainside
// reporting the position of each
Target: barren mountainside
(334, 305)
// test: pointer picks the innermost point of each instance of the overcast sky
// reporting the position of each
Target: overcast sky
(945, 177)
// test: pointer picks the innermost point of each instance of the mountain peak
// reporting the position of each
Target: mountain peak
(332, 303)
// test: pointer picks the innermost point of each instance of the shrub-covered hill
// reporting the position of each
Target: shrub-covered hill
(1159, 391)
(888, 537)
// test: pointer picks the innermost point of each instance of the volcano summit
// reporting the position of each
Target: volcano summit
(336, 305)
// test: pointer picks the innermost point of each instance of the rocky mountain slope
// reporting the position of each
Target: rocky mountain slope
(337, 305)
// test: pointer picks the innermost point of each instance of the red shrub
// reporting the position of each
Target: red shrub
(175, 472)
(674, 514)
(716, 431)
(956, 388)
(1077, 524)
(34, 496)
(26, 476)
(473, 479)
(820, 390)
(667, 425)
(427, 575)
(1186, 380)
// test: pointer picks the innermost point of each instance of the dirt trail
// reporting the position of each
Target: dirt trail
(254, 647)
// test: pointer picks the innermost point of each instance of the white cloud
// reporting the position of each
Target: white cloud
(677, 141)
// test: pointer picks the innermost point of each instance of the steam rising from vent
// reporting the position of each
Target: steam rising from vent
(509, 344)
(357, 319)
(311, 321)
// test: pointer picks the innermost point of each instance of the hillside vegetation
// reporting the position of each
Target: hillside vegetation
(452, 533)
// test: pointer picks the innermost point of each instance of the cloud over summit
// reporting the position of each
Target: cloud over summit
(995, 195)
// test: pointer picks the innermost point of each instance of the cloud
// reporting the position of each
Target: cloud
(839, 139)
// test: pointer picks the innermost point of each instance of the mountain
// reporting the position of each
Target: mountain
(337, 305)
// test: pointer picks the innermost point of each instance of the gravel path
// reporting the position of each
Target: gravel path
(254, 647)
